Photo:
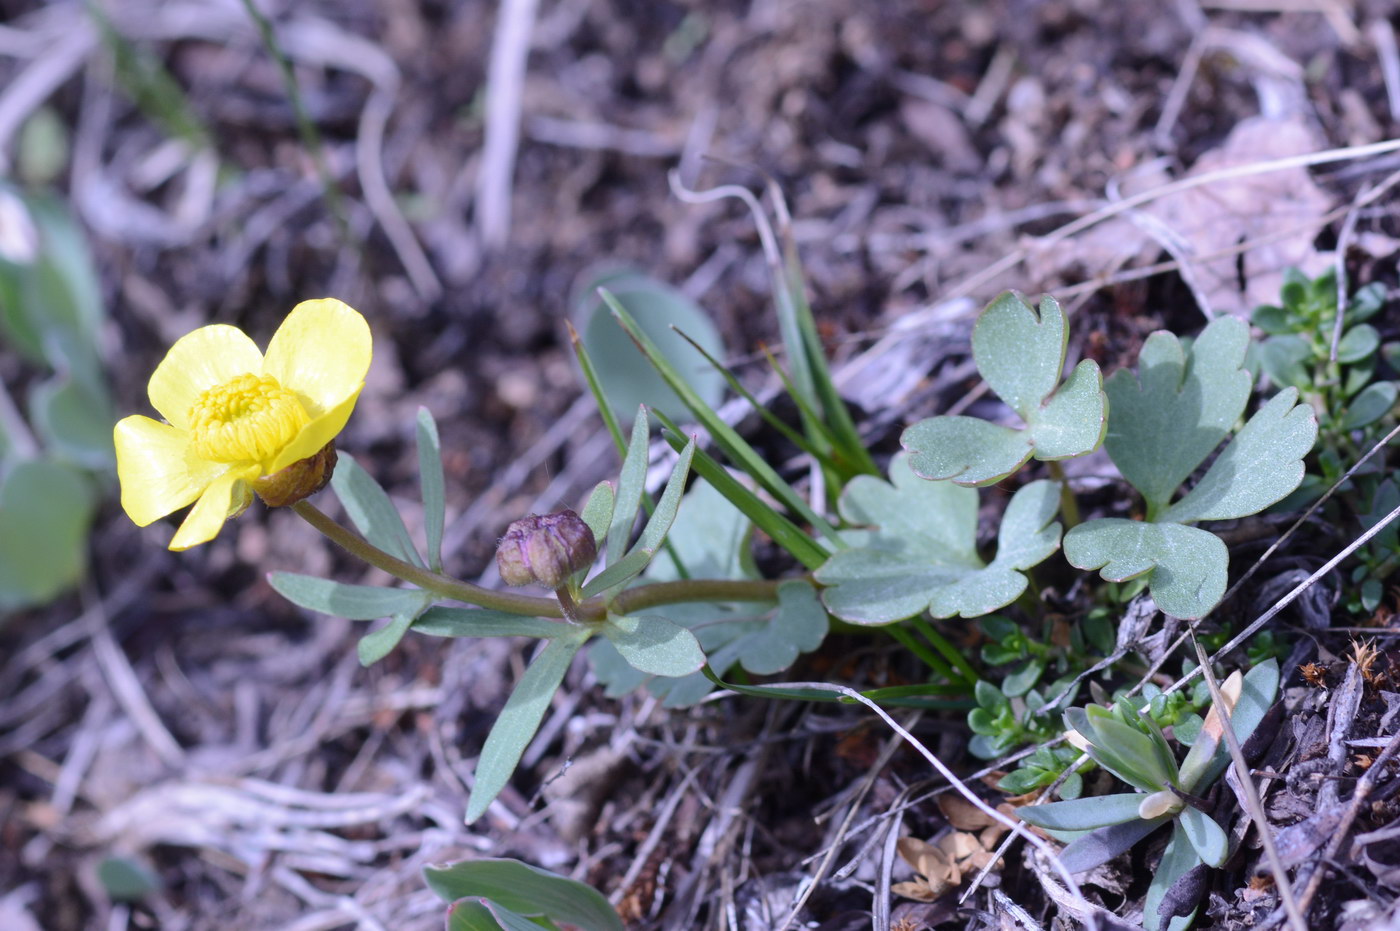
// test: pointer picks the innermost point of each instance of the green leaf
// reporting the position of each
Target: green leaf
(598, 510)
(1099, 846)
(653, 645)
(525, 889)
(371, 510)
(711, 537)
(430, 477)
(1358, 343)
(1177, 409)
(1177, 860)
(126, 879)
(471, 915)
(1272, 320)
(481, 622)
(1261, 465)
(378, 644)
(1373, 403)
(725, 437)
(1083, 814)
(1284, 359)
(1021, 356)
(923, 554)
(74, 422)
(630, 487)
(353, 602)
(1207, 837)
(653, 535)
(626, 377)
(1208, 756)
(783, 531)
(518, 721)
(45, 510)
(1189, 566)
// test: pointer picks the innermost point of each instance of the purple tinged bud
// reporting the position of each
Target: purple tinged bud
(545, 549)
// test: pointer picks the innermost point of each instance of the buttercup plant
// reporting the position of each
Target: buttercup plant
(681, 602)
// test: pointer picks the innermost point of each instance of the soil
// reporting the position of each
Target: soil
(177, 715)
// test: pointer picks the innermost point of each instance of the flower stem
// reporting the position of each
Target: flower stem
(1069, 505)
(442, 585)
(592, 609)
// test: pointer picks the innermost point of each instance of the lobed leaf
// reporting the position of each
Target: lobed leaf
(922, 554)
(653, 645)
(1189, 566)
(1261, 465)
(1021, 356)
(1176, 410)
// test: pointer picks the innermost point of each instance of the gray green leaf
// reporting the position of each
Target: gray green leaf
(371, 510)
(433, 484)
(1261, 465)
(1165, 420)
(922, 554)
(1189, 566)
(340, 599)
(45, 510)
(525, 889)
(654, 645)
(518, 721)
(1021, 356)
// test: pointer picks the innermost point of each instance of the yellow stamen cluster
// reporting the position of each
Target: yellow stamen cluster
(248, 419)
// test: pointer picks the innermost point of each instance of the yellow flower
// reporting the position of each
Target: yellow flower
(234, 416)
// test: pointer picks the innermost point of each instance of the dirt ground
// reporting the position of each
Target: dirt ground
(179, 714)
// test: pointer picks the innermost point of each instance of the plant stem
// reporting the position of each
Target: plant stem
(1069, 505)
(593, 609)
(442, 585)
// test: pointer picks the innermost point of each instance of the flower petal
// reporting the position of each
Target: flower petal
(314, 435)
(219, 502)
(198, 361)
(157, 472)
(321, 352)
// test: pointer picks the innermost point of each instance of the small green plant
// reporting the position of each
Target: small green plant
(1354, 408)
(1133, 747)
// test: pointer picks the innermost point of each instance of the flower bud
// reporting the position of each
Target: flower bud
(301, 479)
(545, 549)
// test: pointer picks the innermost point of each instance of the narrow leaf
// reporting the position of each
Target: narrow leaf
(526, 889)
(1084, 813)
(432, 481)
(353, 602)
(630, 487)
(371, 510)
(481, 622)
(598, 509)
(1177, 860)
(378, 644)
(518, 721)
(1098, 847)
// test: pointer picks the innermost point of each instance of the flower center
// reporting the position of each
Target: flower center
(248, 419)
